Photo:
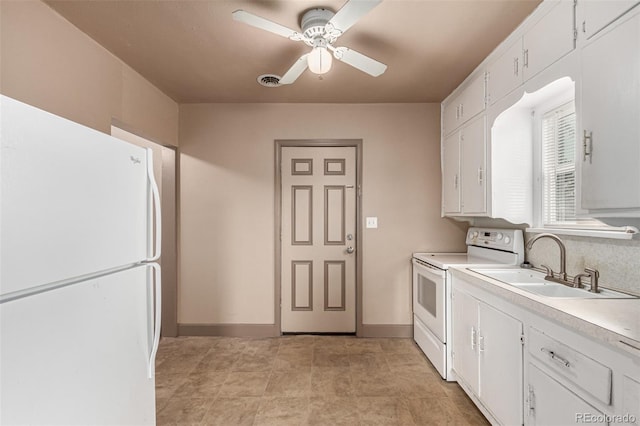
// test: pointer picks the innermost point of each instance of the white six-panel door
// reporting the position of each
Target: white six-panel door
(318, 260)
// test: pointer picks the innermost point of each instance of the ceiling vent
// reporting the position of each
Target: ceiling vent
(269, 80)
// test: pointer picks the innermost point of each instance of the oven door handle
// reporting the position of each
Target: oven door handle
(428, 268)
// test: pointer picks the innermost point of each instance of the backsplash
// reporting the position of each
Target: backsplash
(617, 260)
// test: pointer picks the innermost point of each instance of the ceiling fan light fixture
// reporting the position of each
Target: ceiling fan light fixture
(319, 60)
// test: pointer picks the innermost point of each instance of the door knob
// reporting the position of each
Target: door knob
(350, 249)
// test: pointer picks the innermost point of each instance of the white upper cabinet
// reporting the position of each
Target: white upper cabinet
(450, 115)
(464, 189)
(605, 68)
(549, 39)
(610, 152)
(451, 174)
(505, 73)
(466, 105)
(598, 14)
(472, 99)
(473, 167)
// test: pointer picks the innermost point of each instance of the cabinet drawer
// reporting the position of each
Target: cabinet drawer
(432, 347)
(579, 369)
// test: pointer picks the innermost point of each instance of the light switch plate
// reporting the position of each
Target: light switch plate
(371, 222)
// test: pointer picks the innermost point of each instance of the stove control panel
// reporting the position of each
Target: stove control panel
(496, 238)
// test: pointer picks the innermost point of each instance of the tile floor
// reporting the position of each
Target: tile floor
(304, 380)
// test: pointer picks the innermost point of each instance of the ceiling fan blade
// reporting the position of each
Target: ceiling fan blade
(350, 13)
(264, 24)
(359, 61)
(295, 71)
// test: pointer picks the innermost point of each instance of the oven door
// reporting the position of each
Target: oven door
(429, 297)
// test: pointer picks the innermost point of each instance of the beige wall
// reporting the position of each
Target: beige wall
(49, 63)
(227, 203)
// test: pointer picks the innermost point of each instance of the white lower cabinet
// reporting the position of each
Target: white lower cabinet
(549, 375)
(465, 338)
(631, 398)
(488, 356)
(550, 403)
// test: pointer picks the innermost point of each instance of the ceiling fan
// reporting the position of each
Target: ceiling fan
(320, 29)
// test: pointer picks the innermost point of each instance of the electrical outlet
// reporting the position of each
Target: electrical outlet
(371, 222)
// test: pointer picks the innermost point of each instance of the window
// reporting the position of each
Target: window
(558, 166)
(558, 185)
(557, 144)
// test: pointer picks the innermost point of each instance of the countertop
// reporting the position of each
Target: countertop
(613, 321)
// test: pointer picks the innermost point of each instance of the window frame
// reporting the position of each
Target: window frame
(586, 226)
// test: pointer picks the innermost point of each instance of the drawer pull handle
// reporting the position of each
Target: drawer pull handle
(555, 357)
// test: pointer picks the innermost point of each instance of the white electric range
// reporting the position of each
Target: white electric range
(432, 287)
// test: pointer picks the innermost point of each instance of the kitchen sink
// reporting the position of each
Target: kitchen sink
(534, 282)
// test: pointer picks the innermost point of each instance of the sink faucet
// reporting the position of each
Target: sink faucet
(563, 256)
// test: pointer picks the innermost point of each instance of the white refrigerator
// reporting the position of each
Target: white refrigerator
(79, 286)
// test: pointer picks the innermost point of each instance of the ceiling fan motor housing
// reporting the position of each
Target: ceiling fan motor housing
(314, 21)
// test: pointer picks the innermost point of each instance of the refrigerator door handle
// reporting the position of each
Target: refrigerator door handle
(157, 306)
(156, 208)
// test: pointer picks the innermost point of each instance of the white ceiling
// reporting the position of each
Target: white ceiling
(195, 52)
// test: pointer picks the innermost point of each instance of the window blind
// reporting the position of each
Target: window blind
(558, 164)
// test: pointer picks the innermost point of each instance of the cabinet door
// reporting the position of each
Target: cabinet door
(500, 352)
(451, 174)
(505, 74)
(473, 167)
(630, 398)
(610, 116)
(472, 99)
(551, 404)
(598, 14)
(465, 338)
(450, 116)
(549, 40)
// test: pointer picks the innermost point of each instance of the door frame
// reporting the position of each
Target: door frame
(311, 143)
